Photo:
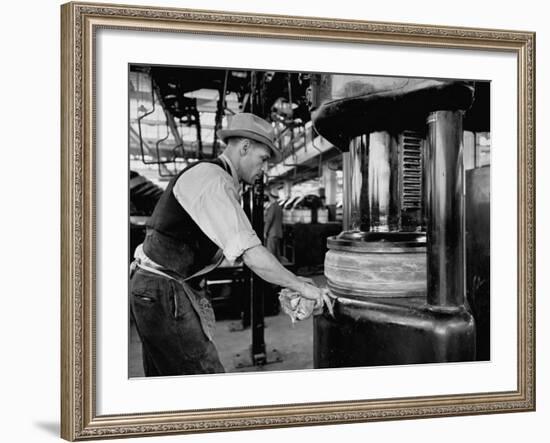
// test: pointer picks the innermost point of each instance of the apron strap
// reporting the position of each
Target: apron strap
(140, 258)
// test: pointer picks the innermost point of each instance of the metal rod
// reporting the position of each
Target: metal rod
(220, 112)
(159, 162)
(199, 133)
(247, 273)
(289, 85)
(140, 118)
(445, 210)
(252, 90)
(257, 284)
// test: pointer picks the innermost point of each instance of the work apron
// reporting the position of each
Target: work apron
(197, 297)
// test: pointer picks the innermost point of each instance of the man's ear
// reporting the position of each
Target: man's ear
(245, 146)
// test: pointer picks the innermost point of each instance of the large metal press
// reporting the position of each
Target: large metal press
(397, 271)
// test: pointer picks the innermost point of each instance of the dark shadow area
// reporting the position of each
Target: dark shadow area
(51, 428)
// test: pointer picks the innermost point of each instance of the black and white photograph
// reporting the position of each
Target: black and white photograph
(283, 221)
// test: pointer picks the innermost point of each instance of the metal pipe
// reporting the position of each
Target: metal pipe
(257, 284)
(252, 90)
(426, 162)
(140, 118)
(346, 191)
(220, 112)
(379, 176)
(358, 184)
(445, 210)
(163, 162)
(199, 133)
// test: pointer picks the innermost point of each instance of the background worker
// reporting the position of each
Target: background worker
(273, 224)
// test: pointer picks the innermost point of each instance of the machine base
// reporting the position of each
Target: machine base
(396, 331)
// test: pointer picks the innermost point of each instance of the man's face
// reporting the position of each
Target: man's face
(253, 161)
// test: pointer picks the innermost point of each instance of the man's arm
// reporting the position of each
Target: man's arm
(265, 265)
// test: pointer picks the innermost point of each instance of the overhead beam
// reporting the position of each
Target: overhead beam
(311, 150)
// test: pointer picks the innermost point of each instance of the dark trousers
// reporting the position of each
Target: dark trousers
(170, 330)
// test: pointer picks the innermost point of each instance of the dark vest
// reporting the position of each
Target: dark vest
(173, 239)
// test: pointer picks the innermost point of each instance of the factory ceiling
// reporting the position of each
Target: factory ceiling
(196, 102)
(178, 109)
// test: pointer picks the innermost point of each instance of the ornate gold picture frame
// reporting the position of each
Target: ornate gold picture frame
(81, 22)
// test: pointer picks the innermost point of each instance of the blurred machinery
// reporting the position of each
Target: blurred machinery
(175, 112)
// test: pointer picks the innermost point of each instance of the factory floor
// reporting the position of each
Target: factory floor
(289, 346)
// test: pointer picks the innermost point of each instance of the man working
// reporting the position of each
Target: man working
(197, 221)
(273, 224)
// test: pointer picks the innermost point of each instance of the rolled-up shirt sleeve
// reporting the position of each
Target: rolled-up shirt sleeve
(208, 195)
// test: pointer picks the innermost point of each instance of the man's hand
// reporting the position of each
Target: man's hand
(312, 292)
(320, 297)
(306, 280)
(296, 305)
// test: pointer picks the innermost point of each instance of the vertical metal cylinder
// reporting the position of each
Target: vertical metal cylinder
(346, 192)
(356, 213)
(426, 162)
(445, 210)
(257, 284)
(379, 171)
(329, 184)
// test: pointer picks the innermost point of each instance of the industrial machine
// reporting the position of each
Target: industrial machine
(397, 272)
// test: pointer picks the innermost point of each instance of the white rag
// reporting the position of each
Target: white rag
(300, 308)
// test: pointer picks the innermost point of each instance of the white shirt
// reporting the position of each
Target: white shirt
(211, 198)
